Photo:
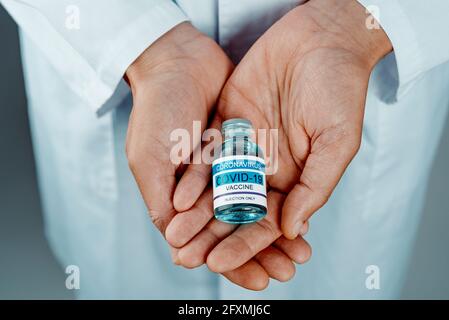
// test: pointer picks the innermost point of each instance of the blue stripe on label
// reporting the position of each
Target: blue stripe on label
(238, 164)
(240, 192)
(240, 176)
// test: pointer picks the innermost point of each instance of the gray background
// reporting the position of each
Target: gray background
(28, 269)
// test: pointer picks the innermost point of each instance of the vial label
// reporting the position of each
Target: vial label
(239, 180)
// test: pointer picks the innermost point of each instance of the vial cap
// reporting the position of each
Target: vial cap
(236, 123)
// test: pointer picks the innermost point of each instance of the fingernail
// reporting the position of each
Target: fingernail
(175, 257)
(303, 230)
(297, 228)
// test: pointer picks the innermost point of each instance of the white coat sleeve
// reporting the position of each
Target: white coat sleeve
(418, 30)
(92, 43)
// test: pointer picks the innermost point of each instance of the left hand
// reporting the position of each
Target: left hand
(306, 76)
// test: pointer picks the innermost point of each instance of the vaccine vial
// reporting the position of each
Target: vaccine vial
(238, 175)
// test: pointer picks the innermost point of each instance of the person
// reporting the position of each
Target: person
(314, 70)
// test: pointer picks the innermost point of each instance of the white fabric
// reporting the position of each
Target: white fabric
(418, 31)
(95, 217)
(111, 35)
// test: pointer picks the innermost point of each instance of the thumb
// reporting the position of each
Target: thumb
(156, 182)
(153, 171)
(197, 176)
(323, 169)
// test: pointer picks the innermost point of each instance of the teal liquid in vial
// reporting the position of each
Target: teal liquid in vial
(239, 182)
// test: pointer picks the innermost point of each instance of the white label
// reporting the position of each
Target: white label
(239, 180)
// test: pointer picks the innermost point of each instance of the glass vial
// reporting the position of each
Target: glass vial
(238, 176)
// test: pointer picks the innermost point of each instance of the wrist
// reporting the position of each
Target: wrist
(165, 51)
(183, 51)
(343, 24)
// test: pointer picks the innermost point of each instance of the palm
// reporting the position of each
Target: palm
(317, 109)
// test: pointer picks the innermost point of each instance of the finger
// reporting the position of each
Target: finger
(251, 276)
(323, 169)
(156, 182)
(298, 249)
(304, 229)
(197, 176)
(153, 172)
(156, 187)
(246, 241)
(196, 251)
(277, 264)
(185, 225)
(174, 256)
(192, 184)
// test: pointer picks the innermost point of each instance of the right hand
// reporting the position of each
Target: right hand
(307, 77)
(175, 81)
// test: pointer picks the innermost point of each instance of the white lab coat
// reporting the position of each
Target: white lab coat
(94, 215)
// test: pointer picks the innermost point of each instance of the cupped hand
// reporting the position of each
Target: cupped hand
(307, 77)
(175, 82)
